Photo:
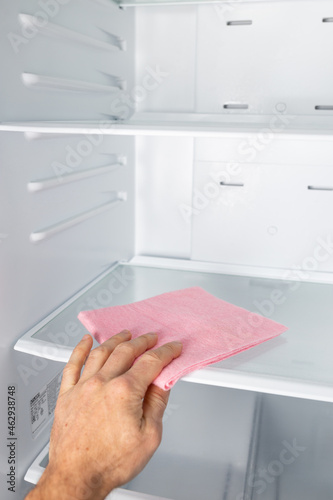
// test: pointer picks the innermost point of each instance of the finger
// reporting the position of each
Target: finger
(100, 354)
(154, 404)
(150, 365)
(72, 370)
(125, 354)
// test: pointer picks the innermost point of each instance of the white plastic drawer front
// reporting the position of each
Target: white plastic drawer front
(263, 215)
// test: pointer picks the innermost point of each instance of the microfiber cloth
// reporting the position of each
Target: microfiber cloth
(209, 328)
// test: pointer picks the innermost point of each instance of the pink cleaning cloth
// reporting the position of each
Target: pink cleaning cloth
(209, 328)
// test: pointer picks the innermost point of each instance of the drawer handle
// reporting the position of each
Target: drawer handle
(324, 108)
(232, 184)
(236, 106)
(328, 20)
(240, 23)
(320, 188)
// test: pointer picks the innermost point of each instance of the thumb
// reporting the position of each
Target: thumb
(155, 403)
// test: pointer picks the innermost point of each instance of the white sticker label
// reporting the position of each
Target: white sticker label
(43, 403)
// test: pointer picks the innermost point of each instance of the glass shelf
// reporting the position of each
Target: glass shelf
(152, 3)
(297, 363)
(181, 125)
(193, 462)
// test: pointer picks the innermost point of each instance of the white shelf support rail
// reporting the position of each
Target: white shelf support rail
(115, 44)
(50, 231)
(42, 184)
(39, 82)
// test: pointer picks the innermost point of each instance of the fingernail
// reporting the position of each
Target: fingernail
(125, 333)
(86, 337)
(152, 334)
(177, 343)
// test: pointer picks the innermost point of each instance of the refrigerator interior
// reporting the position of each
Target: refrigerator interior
(191, 142)
(288, 456)
(237, 445)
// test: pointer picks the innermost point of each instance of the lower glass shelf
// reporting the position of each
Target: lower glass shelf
(297, 363)
(206, 451)
(37, 468)
(236, 445)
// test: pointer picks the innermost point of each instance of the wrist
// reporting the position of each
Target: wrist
(68, 485)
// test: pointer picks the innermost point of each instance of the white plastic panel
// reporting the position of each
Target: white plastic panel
(230, 58)
(263, 215)
(268, 145)
(165, 61)
(264, 56)
(59, 233)
(65, 60)
(164, 183)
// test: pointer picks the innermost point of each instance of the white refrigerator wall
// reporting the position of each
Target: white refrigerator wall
(62, 229)
(66, 217)
(75, 203)
(69, 60)
(238, 57)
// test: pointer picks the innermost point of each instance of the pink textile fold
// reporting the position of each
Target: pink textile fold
(209, 328)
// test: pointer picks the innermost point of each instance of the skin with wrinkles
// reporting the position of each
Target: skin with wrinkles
(108, 419)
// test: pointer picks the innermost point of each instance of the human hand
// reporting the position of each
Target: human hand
(108, 420)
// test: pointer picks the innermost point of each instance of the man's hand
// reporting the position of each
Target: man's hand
(108, 420)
